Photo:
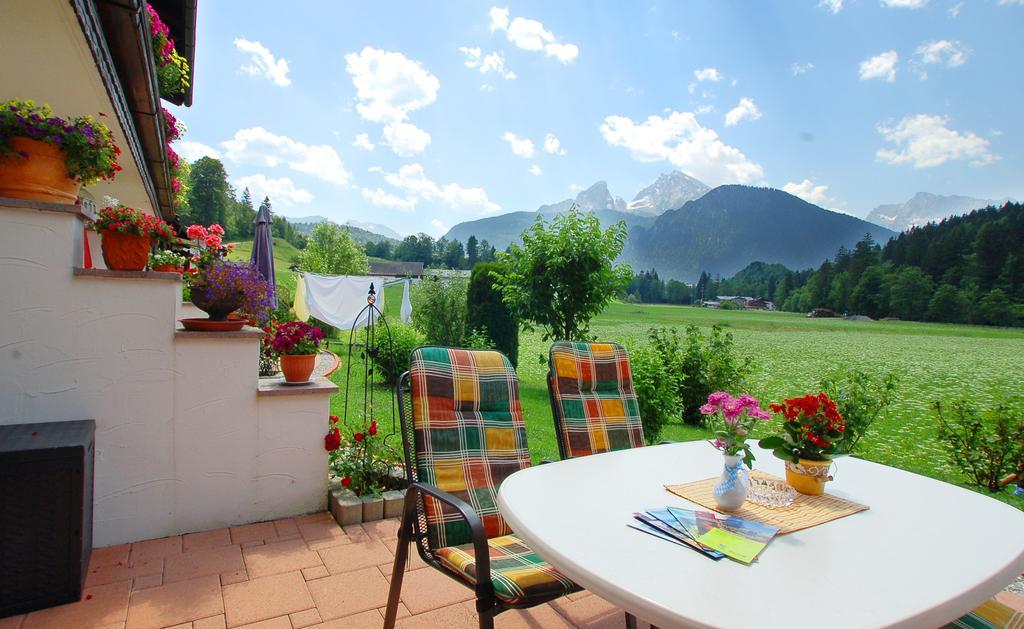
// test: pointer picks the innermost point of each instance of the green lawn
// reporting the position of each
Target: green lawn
(789, 352)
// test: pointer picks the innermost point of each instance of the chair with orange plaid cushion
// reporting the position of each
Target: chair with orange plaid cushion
(464, 437)
(592, 399)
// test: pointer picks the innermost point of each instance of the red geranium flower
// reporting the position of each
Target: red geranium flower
(333, 440)
(333, 418)
(345, 482)
(373, 429)
(359, 436)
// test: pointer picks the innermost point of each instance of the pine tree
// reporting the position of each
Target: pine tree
(472, 252)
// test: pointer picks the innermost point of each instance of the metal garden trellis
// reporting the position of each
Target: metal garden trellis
(377, 332)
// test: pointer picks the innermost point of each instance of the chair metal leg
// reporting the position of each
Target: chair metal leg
(630, 621)
(487, 619)
(398, 572)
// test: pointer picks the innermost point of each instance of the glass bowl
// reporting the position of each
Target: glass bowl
(771, 493)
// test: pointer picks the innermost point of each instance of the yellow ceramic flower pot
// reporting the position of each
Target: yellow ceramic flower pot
(808, 477)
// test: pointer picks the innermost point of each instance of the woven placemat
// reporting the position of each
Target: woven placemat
(805, 512)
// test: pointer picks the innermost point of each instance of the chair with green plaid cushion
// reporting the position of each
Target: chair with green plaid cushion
(466, 435)
(592, 399)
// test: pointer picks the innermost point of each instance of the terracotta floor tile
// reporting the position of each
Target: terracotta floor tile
(278, 557)
(155, 548)
(206, 539)
(403, 611)
(340, 559)
(318, 572)
(281, 622)
(540, 616)
(253, 542)
(109, 555)
(114, 625)
(313, 517)
(253, 532)
(382, 529)
(356, 533)
(424, 590)
(349, 593)
(320, 529)
(336, 539)
(123, 571)
(148, 581)
(212, 622)
(201, 563)
(183, 625)
(592, 612)
(100, 605)
(450, 617)
(414, 562)
(175, 603)
(365, 620)
(12, 622)
(306, 618)
(265, 598)
(286, 527)
(227, 578)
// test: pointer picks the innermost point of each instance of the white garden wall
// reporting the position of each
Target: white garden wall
(184, 440)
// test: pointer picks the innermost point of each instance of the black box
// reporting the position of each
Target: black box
(46, 484)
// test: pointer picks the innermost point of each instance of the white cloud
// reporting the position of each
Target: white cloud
(801, 68)
(904, 4)
(263, 63)
(954, 10)
(834, 6)
(192, 151)
(807, 191)
(575, 187)
(282, 190)
(943, 51)
(881, 66)
(486, 88)
(535, 170)
(553, 145)
(681, 140)
(531, 35)
(745, 110)
(362, 141)
(925, 141)
(707, 74)
(256, 144)
(412, 180)
(1011, 2)
(389, 85)
(439, 226)
(523, 147)
(704, 109)
(405, 139)
(380, 198)
(491, 62)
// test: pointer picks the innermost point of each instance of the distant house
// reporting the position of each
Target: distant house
(760, 304)
(710, 303)
(396, 269)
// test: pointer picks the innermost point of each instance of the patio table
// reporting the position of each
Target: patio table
(925, 553)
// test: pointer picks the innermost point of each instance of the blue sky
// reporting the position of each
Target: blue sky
(474, 109)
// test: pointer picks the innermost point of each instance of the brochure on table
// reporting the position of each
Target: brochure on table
(711, 534)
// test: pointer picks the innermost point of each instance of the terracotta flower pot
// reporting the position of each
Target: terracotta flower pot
(42, 176)
(297, 367)
(124, 252)
(165, 268)
(808, 477)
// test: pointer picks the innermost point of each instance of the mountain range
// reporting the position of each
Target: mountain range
(361, 232)
(925, 207)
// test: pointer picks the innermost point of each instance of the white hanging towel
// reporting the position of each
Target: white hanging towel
(338, 299)
(406, 304)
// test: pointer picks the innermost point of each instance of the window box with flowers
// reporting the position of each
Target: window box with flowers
(811, 434)
(127, 235)
(47, 158)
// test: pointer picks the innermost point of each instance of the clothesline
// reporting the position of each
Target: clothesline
(339, 300)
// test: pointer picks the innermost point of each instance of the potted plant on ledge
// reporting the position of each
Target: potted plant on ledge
(167, 261)
(297, 343)
(47, 158)
(809, 438)
(127, 236)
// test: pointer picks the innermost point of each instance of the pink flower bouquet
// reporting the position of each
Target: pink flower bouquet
(738, 417)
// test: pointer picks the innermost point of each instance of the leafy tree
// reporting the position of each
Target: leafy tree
(677, 292)
(208, 196)
(472, 252)
(911, 294)
(440, 310)
(454, 256)
(487, 253)
(564, 273)
(994, 308)
(488, 312)
(948, 304)
(330, 250)
(868, 298)
(417, 248)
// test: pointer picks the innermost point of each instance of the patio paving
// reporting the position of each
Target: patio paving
(287, 574)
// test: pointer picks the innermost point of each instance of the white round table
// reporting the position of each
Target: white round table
(925, 553)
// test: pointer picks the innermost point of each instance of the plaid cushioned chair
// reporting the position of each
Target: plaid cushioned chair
(465, 436)
(592, 399)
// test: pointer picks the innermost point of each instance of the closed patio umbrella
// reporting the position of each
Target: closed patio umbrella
(263, 250)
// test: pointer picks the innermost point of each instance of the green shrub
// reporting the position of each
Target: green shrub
(392, 359)
(439, 310)
(656, 390)
(985, 445)
(704, 364)
(478, 339)
(861, 398)
(489, 314)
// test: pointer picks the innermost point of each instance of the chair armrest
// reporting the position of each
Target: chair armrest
(476, 530)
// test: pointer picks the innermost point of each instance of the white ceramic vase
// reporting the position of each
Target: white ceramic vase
(731, 490)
